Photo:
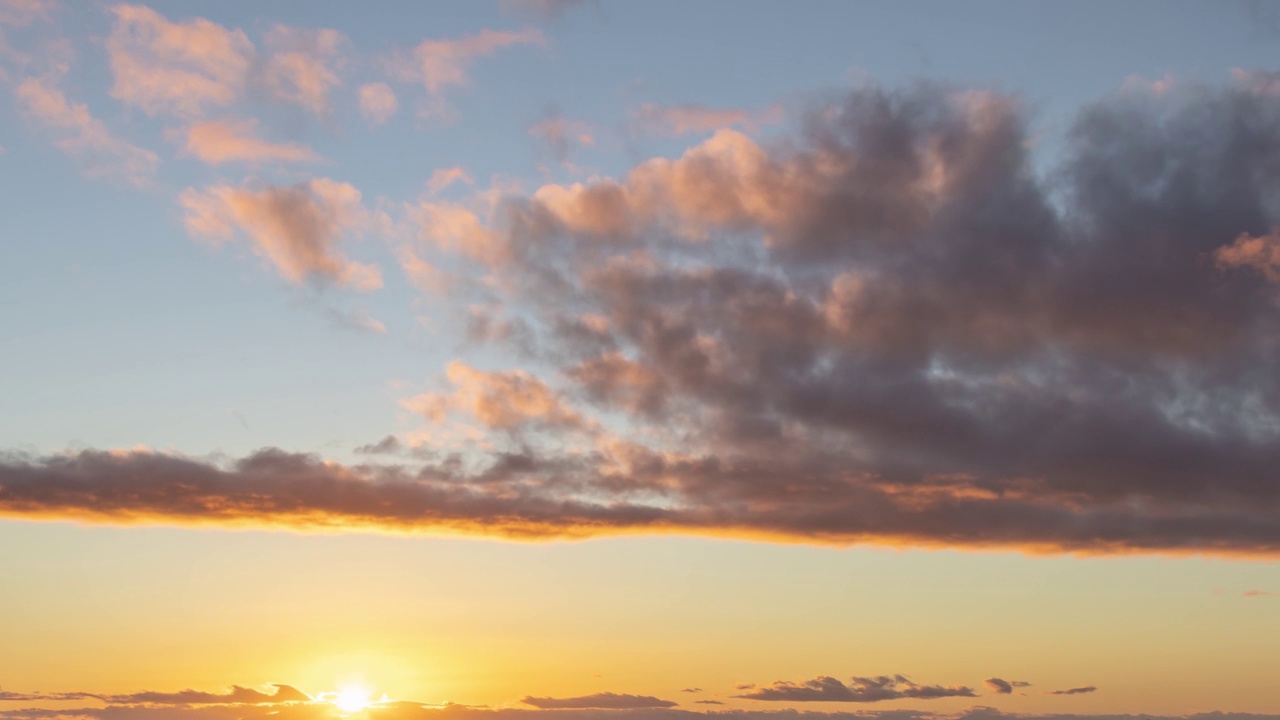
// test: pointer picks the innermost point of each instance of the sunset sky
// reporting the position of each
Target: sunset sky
(594, 359)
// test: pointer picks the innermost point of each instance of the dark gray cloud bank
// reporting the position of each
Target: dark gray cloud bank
(886, 327)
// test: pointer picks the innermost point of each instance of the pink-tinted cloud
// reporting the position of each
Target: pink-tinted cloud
(182, 68)
(377, 103)
(298, 228)
(442, 178)
(222, 141)
(439, 64)
(303, 66)
(1262, 253)
(499, 400)
(84, 136)
(693, 118)
(20, 13)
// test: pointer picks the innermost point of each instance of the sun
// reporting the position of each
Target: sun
(352, 698)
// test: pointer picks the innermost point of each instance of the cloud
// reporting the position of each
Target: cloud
(439, 64)
(707, 702)
(675, 120)
(859, 690)
(1004, 687)
(498, 400)
(223, 141)
(608, 701)
(1262, 253)
(180, 68)
(386, 446)
(544, 9)
(1074, 690)
(297, 228)
(303, 66)
(692, 690)
(236, 695)
(562, 136)
(20, 13)
(377, 103)
(442, 178)
(888, 328)
(1260, 593)
(86, 138)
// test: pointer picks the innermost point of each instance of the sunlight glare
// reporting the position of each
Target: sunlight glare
(352, 698)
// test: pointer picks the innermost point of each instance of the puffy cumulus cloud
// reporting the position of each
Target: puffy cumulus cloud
(84, 136)
(498, 400)
(377, 102)
(297, 228)
(1004, 687)
(1075, 690)
(222, 141)
(303, 66)
(859, 690)
(883, 329)
(441, 63)
(695, 118)
(604, 701)
(183, 68)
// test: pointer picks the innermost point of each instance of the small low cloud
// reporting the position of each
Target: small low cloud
(707, 702)
(692, 690)
(388, 445)
(860, 689)
(599, 701)
(1074, 690)
(1260, 593)
(378, 102)
(237, 695)
(224, 141)
(1004, 687)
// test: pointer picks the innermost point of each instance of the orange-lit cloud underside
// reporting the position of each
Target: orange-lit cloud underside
(534, 500)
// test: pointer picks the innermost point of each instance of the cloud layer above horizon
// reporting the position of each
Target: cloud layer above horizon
(887, 320)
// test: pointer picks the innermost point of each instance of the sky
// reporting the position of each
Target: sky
(604, 360)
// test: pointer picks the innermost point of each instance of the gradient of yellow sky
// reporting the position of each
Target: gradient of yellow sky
(487, 622)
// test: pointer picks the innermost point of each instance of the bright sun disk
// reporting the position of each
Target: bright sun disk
(352, 698)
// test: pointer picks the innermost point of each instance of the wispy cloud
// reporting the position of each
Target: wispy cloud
(1075, 690)
(222, 141)
(378, 102)
(442, 63)
(85, 137)
(297, 228)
